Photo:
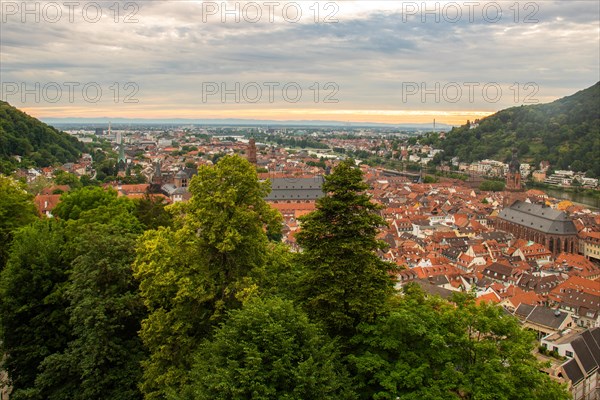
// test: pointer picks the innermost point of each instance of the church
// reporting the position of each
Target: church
(540, 224)
(535, 222)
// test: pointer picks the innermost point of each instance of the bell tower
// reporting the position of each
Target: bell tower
(513, 177)
(252, 151)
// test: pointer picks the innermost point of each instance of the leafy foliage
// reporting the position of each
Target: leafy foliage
(16, 210)
(431, 349)
(492, 186)
(344, 281)
(565, 132)
(69, 306)
(268, 350)
(102, 360)
(191, 274)
(32, 308)
(38, 143)
(151, 212)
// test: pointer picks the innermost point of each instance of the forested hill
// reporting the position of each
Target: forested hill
(37, 143)
(565, 132)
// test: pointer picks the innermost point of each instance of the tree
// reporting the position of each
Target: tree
(69, 307)
(64, 178)
(103, 358)
(73, 203)
(32, 309)
(268, 350)
(430, 179)
(344, 282)
(192, 273)
(151, 212)
(98, 205)
(16, 210)
(428, 348)
(492, 186)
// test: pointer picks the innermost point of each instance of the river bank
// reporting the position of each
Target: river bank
(576, 197)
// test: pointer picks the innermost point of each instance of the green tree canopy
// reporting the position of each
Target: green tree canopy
(492, 186)
(69, 307)
(151, 212)
(102, 361)
(427, 348)
(344, 282)
(268, 350)
(32, 309)
(190, 274)
(73, 203)
(36, 142)
(16, 210)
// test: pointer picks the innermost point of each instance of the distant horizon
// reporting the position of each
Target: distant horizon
(360, 117)
(238, 122)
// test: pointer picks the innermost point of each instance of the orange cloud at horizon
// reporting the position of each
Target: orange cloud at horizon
(277, 114)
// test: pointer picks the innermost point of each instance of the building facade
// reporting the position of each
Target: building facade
(540, 224)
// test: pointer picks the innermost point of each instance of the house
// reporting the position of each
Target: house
(582, 369)
(576, 264)
(538, 284)
(501, 273)
(585, 307)
(529, 298)
(543, 320)
(45, 203)
(589, 245)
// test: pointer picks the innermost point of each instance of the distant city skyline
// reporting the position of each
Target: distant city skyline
(355, 61)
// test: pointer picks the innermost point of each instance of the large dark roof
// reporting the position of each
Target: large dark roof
(584, 354)
(539, 217)
(592, 339)
(434, 290)
(573, 371)
(586, 347)
(296, 189)
(524, 310)
(542, 316)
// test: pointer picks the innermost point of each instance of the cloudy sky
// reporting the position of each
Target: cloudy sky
(378, 61)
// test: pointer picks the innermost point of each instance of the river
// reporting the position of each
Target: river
(580, 198)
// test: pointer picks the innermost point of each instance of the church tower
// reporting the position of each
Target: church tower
(252, 151)
(121, 161)
(514, 189)
(513, 177)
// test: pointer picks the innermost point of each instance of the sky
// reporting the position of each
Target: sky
(361, 61)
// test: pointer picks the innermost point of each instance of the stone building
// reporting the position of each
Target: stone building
(295, 190)
(513, 177)
(540, 224)
(252, 151)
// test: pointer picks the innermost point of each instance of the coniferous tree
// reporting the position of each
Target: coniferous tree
(344, 282)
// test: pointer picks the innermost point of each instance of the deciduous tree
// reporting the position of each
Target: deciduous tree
(16, 210)
(190, 274)
(432, 349)
(268, 350)
(32, 307)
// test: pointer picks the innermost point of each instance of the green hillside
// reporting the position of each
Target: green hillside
(565, 132)
(37, 143)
